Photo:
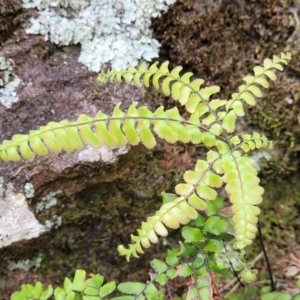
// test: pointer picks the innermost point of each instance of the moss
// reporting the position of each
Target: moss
(221, 42)
(104, 215)
(9, 18)
(279, 221)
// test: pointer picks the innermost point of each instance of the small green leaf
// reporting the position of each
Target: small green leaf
(185, 92)
(208, 139)
(215, 225)
(167, 197)
(214, 206)
(249, 98)
(192, 103)
(151, 292)
(208, 91)
(36, 292)
(188, 210)
(229, 121)
(67, 285)
(270, 74)
(213, 180)
(131, 288)
(171, 258)
(204, 286)
(159, 266)
(277, 296)
(262, 81)
(171, 273)
(59, 294)
(255, 90)
(238, 108)
(175, 90)
(201, 165)
(184, 270)
(162, 279)
(235, 140)
(213, 246)
(197, 202)
(107, 289)
(187, 250)
(199, 222)
(216, 103)
(165, 86)
(175, 72)
(196, 84)
(47, 293)
(78, 282)
(186, 77)
(206, 192)
(192, 234)
(183, 189)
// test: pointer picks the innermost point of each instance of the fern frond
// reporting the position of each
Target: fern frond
(195, 99)
(251, 90)
(242, 184)
(131, 127)
(256, 141)
(179, 87)
(199, 187)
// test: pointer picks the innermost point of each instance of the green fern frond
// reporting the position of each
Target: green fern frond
(198, 188)
(242, 184)
(206, 123)
(180, 88)
(131, 127)
(248, 142)
(251, 90)
(190, 94)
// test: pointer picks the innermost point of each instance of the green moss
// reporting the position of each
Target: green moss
(279, 220)
(214, 41)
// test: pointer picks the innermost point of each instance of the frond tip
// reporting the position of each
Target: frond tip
(251, 89)
(242, 184)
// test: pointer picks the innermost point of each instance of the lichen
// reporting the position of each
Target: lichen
(8, 82)
(48, 201)
(54, 222)
(28, 190)
(116, 32)
(106, 154)
(25, 264)
(258, 157)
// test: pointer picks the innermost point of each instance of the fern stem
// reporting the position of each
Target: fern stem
(262, 245)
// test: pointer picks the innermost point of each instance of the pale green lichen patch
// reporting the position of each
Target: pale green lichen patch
(108, 31)
(48, 201)
(28, 190)
(8, 82)
(54, 222)
(25, 264)
(259, 157)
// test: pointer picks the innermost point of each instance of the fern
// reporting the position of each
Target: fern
(211, 122)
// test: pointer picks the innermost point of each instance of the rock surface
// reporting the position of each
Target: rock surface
(97, 202)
